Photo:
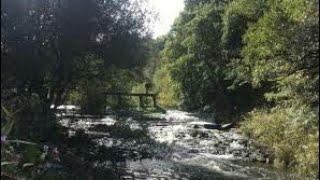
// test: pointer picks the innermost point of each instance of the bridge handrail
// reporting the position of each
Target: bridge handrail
(131, 94)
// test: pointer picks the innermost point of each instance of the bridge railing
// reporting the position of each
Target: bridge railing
(140, 95)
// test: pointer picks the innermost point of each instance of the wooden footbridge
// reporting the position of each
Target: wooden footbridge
(72, 111)
(75, 110)
(140, 95)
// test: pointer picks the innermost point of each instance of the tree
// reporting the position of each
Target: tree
(237, 18)
(199, 49)
(193, 47)
(45, 43)
(282, 49)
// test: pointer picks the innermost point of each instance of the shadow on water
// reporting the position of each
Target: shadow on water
(86, 159)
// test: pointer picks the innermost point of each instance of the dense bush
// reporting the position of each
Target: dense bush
(167, 89)
(93, 100)
(54, 50)
(23, 159)
(292, 133)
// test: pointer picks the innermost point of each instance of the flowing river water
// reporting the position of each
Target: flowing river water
(176, 146)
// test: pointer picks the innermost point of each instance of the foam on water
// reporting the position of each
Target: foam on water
(179, 150)
(175, 115)
(108, 121)
(66, 107)
(236, 146)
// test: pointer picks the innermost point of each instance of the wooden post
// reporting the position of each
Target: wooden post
(147, 86)
(140, 101)
(106, 102)
(154, 101)
(119, 100)
(73, 114)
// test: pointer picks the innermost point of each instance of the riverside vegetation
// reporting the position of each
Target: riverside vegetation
(255, 63)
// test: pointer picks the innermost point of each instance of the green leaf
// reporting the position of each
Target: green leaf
(6, 129)
(32, 154)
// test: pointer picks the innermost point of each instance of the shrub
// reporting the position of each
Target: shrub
(167, 88)
(292, 134)
(93, 101)
(24, 159)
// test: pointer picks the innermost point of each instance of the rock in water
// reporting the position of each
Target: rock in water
(206, 109)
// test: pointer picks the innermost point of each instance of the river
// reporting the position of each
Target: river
(175, 146)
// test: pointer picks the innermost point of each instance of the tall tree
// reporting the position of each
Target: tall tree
(44, 40)
(45, 45)
(282, 50)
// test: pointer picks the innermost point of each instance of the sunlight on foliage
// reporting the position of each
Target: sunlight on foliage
(166, 87)
(291, 132)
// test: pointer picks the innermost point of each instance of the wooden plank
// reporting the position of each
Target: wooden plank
(129, 94)
(154, 101)
(140, 102)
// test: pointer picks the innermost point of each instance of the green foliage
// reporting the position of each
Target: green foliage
(50, 49)
(24, 159)
(238, 16)
(196, 67)
(229, 55)
(167, 89)
(237, 55)
(153, 62)
(89, 91)
(45, 45)
(141, 88)
(291, 132)
(91, 95)
(279, 46)
(281, 51)
(10, 120)
(119, 80)
(93, 99)
(198, 51)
